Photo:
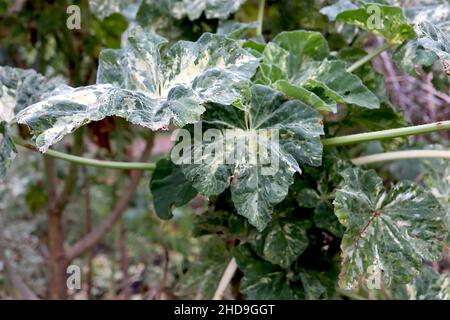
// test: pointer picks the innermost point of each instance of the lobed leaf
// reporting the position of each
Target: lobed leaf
(296, 64)
(169, 188)
(388, 234)
(253, 191)
(136, 83)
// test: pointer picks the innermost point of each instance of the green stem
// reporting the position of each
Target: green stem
(91, 162)
(259, 29)
(386, 134)
(337, 141)
(369, 57)
(399, 155)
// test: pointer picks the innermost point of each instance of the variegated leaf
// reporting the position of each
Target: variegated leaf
(289, 132)
(214, 9)
(7, 149)
(136, 83)
(296, 63)
(388, 234)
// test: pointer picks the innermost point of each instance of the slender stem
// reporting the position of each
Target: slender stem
(90, 162)
(330, 142)
(225, 280)
(398, 155)
(385, 134)
(259, 29)
(369, 57)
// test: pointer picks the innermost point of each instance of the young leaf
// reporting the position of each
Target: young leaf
(288, 130)
(388, 234)
(296, 63)
(7, 149)
(383, 20)
(283, 241)
(139, 85)
(263, 280)
(169, 188)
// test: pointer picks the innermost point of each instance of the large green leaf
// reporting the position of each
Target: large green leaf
(288, 130)
(296, 63)
(169, 188)
(388, 234)
(146, 89)
(7, 149)
(384, 20)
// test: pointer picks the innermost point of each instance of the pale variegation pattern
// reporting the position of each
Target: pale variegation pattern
(214, 9)
(296, 63)
(436, 40)
(178, 9)
(388, 234)
(136, 83)
(19, 88)
(254, 192)
(7, 149)
(282, 242)
(105, 8)
(428, 285)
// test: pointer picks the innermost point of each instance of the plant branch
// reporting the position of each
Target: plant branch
(91, 239)
(225, 280)
(330, 142)
(87, 161)
(398, 155)
(72, 175)
(369, 57)
(386, 134)
(259, 28)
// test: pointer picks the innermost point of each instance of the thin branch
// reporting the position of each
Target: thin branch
(398, 155)
(89, 162)
(91, 239)
(225, 280)
(336, 141)
(72, 175)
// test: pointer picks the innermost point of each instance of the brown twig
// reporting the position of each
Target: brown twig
(90, 240)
